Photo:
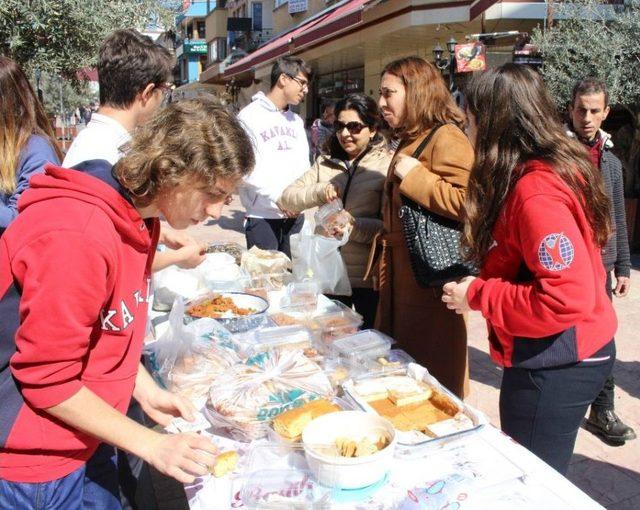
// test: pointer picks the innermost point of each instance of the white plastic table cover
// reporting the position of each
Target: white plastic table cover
(482, 470)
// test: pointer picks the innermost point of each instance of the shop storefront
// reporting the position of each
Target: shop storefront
(333, 86)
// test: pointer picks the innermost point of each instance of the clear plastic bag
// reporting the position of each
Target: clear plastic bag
(248, 396)
(187, 358)
(318, 258)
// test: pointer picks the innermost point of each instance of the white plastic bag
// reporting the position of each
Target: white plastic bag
(318, 258)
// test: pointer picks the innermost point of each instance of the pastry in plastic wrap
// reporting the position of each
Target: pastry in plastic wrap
(273, 263)
(247, 397)
(194, 371)
(290, 424)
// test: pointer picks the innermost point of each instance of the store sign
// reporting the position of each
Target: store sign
(195, 47)
(470, 57)
(298, 6)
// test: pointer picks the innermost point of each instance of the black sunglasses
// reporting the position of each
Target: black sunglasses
(353, 127)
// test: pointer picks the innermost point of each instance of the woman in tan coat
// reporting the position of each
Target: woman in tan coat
(354, 169)
(414, 99)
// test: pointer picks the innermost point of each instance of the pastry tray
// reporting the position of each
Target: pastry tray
(411, 439)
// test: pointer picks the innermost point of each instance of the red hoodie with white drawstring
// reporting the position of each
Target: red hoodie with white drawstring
(74, 274)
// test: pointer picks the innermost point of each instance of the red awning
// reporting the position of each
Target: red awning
(340, 18)
(87, 74)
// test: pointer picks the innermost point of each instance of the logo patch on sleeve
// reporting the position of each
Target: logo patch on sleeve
(556, 252)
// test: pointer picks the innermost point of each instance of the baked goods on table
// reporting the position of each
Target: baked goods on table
(360, 447)
(224, 463)
(290, 424)
(409, 404)
(259, 262)
(233, 249)
(247, 397)
(217, 306)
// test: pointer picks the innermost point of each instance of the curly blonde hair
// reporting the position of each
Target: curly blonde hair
(194, 140)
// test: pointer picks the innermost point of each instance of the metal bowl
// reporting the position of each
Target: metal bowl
(236, 323)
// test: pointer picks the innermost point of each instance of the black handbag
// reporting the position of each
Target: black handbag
(432, 240)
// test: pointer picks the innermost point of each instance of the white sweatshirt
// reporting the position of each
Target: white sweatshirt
(282, 155)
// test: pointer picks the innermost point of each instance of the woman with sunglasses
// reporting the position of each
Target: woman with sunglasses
(353, 169)
(414, 101)
(26, 138)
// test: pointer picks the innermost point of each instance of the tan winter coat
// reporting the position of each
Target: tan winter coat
(414, 316)
(364, 202)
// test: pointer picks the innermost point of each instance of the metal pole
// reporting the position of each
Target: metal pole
(452, 67)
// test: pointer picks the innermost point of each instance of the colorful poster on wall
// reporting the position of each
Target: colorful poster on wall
(296, 6)
(470, 57)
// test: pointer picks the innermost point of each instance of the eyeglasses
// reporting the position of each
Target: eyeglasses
(304, 84)
(167, 89)
(353, 127)
(387, 93)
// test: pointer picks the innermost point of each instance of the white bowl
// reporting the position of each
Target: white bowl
(353, 472)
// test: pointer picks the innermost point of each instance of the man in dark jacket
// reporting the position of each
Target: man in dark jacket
(588, 110)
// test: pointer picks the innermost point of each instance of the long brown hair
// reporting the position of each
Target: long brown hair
(516, 122)
(428, 99)
(194, 139)
(21, 115)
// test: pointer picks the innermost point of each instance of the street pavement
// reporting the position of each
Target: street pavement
(609, 474)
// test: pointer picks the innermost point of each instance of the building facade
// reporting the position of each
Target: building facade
(191, 43)
(348, 42)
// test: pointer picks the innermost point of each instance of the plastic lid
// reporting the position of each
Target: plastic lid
(396, 360)
(278, 477)
(282, 336)
(368, 341)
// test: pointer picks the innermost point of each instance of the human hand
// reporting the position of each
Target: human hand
(190, 256)
(344, 223)
(403, 165)
(181, 456)
(331, 193)
(163, 406)
(455, 294)
(623, 283)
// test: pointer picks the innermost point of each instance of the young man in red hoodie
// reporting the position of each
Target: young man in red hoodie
(74, 274)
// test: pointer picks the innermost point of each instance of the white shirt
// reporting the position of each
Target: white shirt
(103, 138)
(282, 155)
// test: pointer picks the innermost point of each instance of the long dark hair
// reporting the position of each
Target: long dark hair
(21, 115)
(369, 113)
(516, 122)
(428, 100)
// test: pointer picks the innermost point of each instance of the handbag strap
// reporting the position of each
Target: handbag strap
(351, 170)
(425, 142)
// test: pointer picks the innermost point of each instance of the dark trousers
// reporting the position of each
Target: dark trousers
(605, 399)
(269, 234)
(542, 409)
(365, 301)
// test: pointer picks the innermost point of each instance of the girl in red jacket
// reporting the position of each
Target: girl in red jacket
(537, 216)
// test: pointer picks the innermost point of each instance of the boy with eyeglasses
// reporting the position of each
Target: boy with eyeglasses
(282, 155)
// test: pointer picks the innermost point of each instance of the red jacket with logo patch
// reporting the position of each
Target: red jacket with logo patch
(74, 273)
(542, 286)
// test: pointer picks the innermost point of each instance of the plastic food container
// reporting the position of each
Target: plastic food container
(333, 326)
(237, 323)
(365, 344)
(278, 478)
(467, 421)
(327, 210)
(301, 297)
(352, 472)
(395, 361)
(284, 337)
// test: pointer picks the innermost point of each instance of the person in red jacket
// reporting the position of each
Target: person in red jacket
(74, 274)
(537, 216)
